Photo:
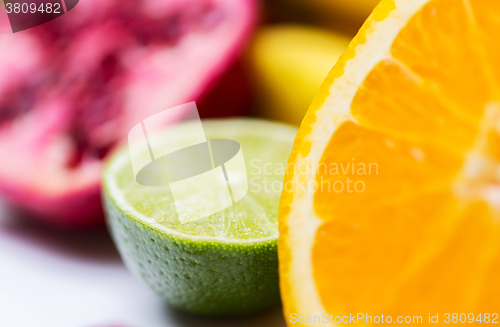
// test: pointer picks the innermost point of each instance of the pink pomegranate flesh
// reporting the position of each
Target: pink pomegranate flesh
(71, 89)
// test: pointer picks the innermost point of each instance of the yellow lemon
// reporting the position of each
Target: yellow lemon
(289, 63)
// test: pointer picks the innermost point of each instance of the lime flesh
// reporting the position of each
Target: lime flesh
(223, 264)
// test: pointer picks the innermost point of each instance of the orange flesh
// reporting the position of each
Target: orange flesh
(419, 231)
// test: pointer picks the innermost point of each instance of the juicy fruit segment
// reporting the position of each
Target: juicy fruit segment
(446, 240)
(254, 216)
(248, 219)
(420, 233)
(289, 63)
(71, 89)
(224, 264)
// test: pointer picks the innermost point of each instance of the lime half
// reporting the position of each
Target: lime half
(222, 264)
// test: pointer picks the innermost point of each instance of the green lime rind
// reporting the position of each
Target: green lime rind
(195, 275)
(202, 274)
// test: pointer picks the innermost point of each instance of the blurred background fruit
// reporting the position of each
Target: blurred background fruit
(355, 10)
(71, 89)
(344, 16)
(288, 64)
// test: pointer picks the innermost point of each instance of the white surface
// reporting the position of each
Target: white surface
(53, 279)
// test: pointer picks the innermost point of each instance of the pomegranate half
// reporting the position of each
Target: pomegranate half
(71, 89)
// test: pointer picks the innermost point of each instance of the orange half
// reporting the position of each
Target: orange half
(391, 202)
